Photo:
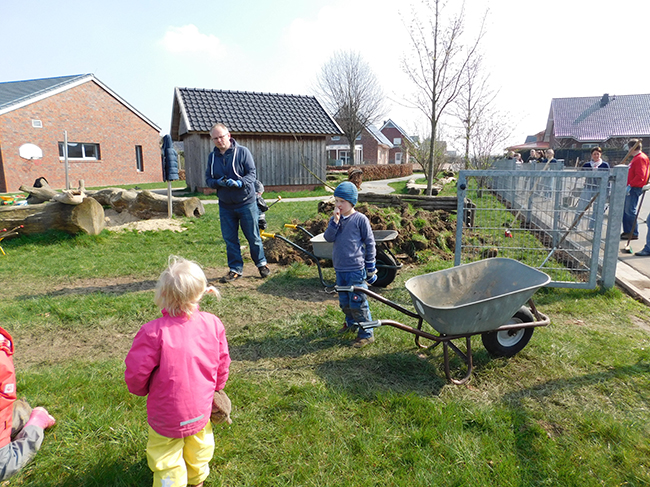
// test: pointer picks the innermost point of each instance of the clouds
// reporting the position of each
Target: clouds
(188, 39)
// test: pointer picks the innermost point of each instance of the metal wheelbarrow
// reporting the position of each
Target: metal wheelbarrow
(387, 265)
(485, 297)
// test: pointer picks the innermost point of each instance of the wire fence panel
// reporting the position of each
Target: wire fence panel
(552, 220)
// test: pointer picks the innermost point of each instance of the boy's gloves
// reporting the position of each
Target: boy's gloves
(222, 181)
(371, 273)
(231, 183)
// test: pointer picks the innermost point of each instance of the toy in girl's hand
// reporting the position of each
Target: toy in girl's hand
(221, 408)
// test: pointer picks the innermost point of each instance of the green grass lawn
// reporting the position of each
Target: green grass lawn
(571, 409)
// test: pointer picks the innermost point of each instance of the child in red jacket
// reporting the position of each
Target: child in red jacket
(16, 454)
(178, 361)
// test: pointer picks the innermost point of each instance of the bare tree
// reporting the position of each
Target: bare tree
(473, 106)
(420, 149)
(436, 65)
(489, 135)
(351, 92)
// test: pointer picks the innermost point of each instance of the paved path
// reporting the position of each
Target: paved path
(632, 272)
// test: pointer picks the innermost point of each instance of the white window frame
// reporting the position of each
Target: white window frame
(397, 141)
(398, 157)
(85, 147)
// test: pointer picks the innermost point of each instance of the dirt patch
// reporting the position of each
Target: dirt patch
(113, 340)
(119, 222)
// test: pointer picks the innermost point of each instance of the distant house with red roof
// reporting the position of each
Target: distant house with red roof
(577, 125)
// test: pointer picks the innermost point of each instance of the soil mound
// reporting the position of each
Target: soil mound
(418, 231)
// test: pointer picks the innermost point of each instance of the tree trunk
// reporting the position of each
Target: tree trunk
(147, 203)
(88, 217)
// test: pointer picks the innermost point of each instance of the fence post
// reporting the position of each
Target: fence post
(614, 218)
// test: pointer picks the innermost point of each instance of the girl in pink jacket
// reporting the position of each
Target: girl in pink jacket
(179, 360)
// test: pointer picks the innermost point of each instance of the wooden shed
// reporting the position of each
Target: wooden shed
(285, 133)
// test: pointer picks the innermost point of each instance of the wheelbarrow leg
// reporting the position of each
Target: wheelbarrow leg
(417, 338)
(467, 358)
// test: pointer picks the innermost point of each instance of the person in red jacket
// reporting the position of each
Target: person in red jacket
(178, 361)
(637, 178)
(15, 454)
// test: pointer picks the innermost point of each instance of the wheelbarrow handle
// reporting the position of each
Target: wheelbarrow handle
(378, 297)
(299, 227)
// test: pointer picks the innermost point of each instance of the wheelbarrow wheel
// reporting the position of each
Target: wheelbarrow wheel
(509, 342)
(385, 275)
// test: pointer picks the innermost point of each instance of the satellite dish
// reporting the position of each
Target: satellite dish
(30, 151)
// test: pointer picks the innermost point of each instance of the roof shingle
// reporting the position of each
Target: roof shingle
(12, 92)
(584, 119)
(249, 112)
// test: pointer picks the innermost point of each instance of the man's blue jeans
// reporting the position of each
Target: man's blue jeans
(354, 305)
(630, 209)
(231, 220)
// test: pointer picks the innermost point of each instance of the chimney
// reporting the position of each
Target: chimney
(604, 100)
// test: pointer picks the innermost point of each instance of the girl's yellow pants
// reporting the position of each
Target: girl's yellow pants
(177, 462)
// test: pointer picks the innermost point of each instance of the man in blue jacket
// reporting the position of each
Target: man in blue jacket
(231, 171)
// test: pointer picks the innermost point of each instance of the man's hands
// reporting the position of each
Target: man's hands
(230, 183)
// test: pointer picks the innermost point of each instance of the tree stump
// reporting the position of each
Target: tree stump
(88, 217)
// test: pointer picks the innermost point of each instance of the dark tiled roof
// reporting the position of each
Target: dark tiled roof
(13, 92)
(584, 119)
(247, 112)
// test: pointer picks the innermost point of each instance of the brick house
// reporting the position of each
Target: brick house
(399, 153)
(109, 141)
(285, 133)
(371, 147)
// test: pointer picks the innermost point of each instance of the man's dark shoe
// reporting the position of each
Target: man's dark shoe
(264, 271)
(626, 236)
(230, 277)
(643, 253)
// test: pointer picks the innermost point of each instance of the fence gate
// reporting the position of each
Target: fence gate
(553, 220)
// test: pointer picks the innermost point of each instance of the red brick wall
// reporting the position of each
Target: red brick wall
(89, 114)
(391, 134)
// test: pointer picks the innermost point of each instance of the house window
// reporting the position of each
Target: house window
(589, 146)
(398, 157)
(37, 124)
(139, 165)
(359, 137)
(80, 150)
(344, 156)
(336, 137)
(397, 141)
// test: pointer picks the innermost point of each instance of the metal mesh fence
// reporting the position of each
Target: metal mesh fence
(551, 220)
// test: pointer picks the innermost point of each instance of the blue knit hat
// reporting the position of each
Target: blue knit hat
(347, 191)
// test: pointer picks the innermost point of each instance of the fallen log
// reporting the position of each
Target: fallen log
(147, 202)
(87, 217)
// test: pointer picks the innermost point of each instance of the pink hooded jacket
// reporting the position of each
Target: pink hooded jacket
(179, 362)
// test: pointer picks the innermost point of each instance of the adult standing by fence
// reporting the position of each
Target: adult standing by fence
(637, 178)
(231, 171)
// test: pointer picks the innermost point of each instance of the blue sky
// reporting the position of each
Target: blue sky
(534, 51)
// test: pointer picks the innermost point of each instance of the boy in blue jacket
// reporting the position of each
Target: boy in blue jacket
(354, 259)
